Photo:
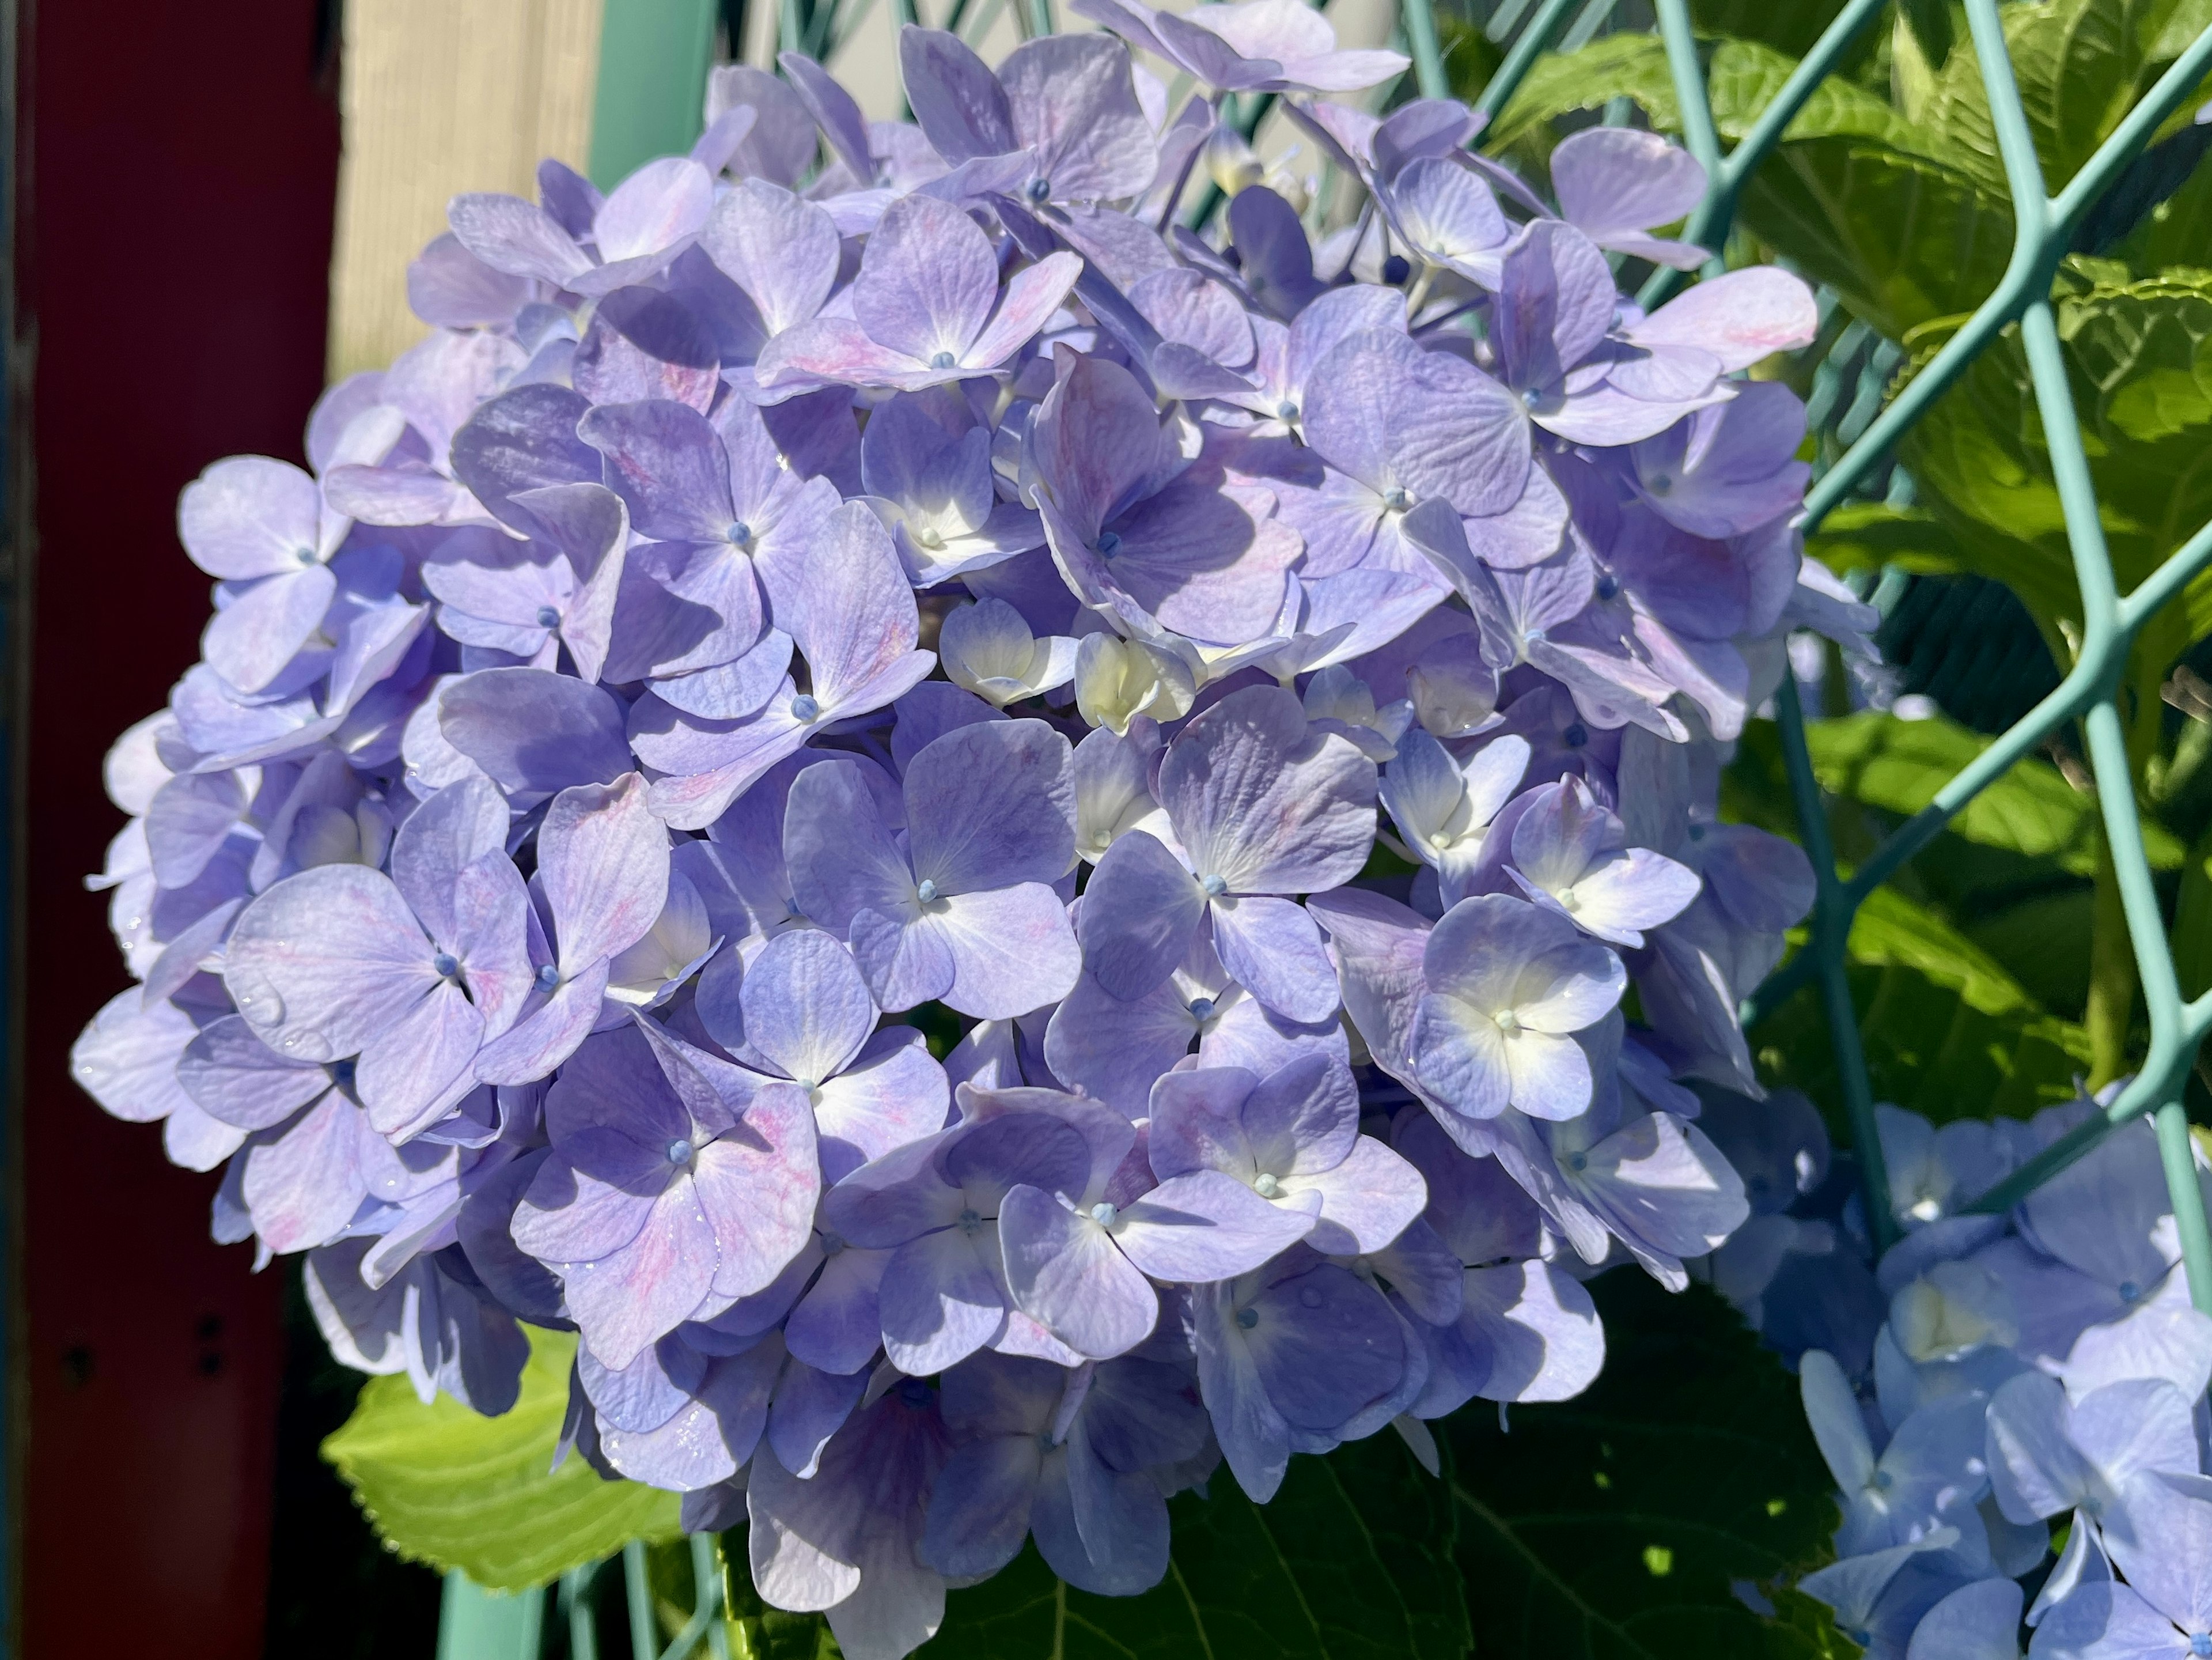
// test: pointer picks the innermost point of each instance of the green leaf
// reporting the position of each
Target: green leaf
(1899, 765)
(1792, 28)
(1618, 1526)
(1890, 931)
(2139, 367)
(446, 1485)
(2178, 233)
(1632, 64)
(1351, 1560)
(2081, 66)
(1927, 1050)
(1874, 536)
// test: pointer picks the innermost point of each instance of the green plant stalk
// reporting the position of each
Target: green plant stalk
(2111, 1003)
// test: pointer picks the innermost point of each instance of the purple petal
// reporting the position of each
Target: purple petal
(928, 281)
(992, 804)
(1265, 804)
(957, 102)
(1064, 1270)
(780, 248)
(1012, 950)
(1272, 949)
(939, 1300)
(603, 860)
(325, 960)
(1204, 1226)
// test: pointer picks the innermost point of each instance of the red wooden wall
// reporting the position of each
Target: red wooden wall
(177, 165)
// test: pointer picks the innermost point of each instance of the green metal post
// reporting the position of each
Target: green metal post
(1419, 20)
(476, 1624)
(653, 60)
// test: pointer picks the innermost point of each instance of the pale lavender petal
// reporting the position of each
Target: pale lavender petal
(1064, 1270)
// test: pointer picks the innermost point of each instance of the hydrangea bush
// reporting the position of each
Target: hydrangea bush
(1011, 853)
(1988, 1377)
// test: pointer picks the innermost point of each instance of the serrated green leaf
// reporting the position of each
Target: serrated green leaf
(1632, 64)
(1899, 765)
(2176, 237)
(1351, 1560)
(446, 1485)
(2139, 365)
(1620, 1525)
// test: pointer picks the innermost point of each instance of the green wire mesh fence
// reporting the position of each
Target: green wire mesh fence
(1863, 431)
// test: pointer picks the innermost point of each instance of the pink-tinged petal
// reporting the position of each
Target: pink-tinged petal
(1272, 949)
(325, 960)
(418, 1069)
(1075, 103)
(550, 1034)
(628, 1299)
(1031, 297)
(512, 235)
(759, 1184)
(657, 206)
(254, 638)
(780, 248)
(1205, 1226)
(1012, 950)
(603, 858)
(304, 1187)
(1740, 317)
(1066, 1272)
(927, 281)
(837, 348)
(250, 516)
(939, 1300)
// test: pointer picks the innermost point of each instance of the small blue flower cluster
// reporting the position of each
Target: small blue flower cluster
(1988, 1375)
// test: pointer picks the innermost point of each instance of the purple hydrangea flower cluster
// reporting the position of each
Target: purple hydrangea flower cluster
(863, 579)
(1990, 1376)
